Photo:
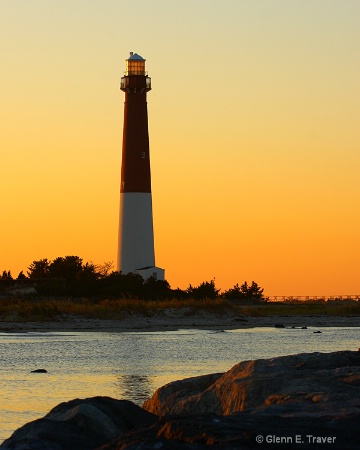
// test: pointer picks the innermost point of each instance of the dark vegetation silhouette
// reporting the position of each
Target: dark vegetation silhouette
(205, 290)
(244, 293)
(70, 277)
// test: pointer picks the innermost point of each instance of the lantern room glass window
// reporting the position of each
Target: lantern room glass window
(135, 67)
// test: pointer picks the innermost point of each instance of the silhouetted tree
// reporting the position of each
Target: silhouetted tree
(179, 294)
(245, 292)
(105, 268)
(21, 276)
(6, 280)
(68, 267)
(6, 275)
(205, 290)
(39, 269)
(64, 276)
(156, 289)
(117, 284)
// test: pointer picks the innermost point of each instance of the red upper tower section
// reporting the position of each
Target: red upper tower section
(135, 167)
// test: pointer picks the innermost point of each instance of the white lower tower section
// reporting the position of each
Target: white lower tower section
(136, 236)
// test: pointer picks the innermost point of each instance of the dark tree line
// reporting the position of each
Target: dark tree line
(70, 276)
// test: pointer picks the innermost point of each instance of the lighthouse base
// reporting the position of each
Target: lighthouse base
(155, 272)
(136, 236)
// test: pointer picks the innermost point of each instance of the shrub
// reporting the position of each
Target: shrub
(245, 292)
(205, 290)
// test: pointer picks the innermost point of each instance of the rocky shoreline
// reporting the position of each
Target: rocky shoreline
(174, 319)
(304, 401)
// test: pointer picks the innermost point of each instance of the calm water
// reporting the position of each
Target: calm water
(132, 365)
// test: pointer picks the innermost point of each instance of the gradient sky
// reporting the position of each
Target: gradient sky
(254, 123)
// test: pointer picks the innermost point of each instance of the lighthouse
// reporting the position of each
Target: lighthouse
(136, 232)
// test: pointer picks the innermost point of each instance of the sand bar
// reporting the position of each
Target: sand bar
(174, 319)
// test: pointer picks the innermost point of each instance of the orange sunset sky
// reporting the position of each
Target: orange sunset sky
(254, 119)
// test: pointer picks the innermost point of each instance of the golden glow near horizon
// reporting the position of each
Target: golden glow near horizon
(254, 137)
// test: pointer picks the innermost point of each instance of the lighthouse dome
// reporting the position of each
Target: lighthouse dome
(135, 56)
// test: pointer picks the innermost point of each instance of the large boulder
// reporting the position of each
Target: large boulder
(163, 400)
(322, 379)
(248, 430)
(80, 424)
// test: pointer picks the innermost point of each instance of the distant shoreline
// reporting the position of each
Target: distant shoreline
(173, 320)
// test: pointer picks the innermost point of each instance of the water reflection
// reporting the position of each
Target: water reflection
(133, 365)
(136, 388)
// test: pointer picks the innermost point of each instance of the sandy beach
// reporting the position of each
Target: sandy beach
(174, 319)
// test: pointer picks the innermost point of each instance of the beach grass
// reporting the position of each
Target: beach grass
(341, 308)
(40, 310)
(22, 310)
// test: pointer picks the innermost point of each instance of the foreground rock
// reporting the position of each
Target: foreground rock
(80, 425)
(245, 431)
(306, 401)
(307, 379)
